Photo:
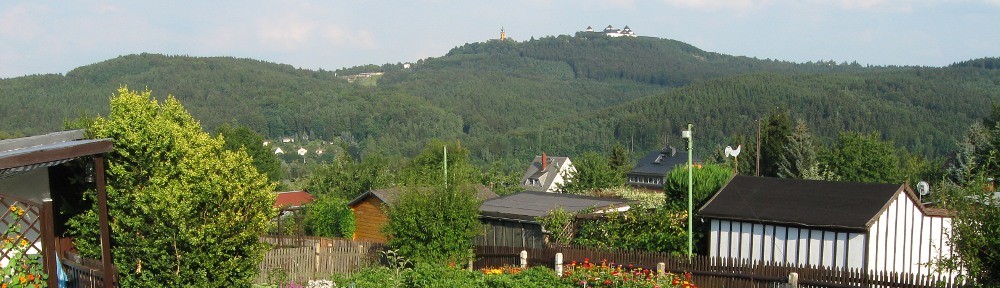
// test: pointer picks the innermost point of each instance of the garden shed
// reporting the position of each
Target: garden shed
(34, 175)
(511, 220)
(370, 214)
(844, 225)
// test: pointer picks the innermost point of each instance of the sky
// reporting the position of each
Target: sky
(43, 37)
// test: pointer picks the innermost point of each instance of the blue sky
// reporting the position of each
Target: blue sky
(39, 37)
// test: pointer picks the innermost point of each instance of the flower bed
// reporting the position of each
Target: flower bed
(604, 274)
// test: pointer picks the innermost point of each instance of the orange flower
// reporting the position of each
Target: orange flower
(31, 277)
(23, 279)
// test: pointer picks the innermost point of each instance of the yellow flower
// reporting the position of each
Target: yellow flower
(23, 279)
(13, 208)
(24, 243)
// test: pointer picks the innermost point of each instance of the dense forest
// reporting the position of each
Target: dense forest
(507, 101)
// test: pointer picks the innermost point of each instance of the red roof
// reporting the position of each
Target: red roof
(292, 199)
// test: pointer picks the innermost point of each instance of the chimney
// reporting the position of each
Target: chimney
(545, 162)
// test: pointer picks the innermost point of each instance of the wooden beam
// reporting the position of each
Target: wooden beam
(48, 243)
(59, 151)
(102, 212)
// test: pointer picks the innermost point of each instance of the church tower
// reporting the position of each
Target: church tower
(503, 34)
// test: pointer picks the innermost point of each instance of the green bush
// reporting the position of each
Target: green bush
(369, 277)
(330, 216)
(434, 275)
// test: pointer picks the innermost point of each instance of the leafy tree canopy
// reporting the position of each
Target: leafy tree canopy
(184, 211)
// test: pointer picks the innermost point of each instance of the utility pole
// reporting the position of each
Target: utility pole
(758, 147)
(686, 134)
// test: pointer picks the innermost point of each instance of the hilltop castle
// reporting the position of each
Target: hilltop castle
(614, 32)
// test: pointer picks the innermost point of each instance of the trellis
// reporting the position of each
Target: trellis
(22, 235)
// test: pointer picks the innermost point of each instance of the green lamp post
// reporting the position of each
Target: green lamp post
(686, 134)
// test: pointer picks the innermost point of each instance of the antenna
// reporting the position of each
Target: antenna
(923, 189)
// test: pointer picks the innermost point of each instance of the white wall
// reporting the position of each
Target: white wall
(761, 242)
(906, 240)
(902, 239)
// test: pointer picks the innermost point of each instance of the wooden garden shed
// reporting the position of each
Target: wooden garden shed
(844, 225)
(31, 176)
(370, 210)
(511, 220)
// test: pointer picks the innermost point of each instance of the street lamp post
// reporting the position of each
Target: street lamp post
(686, 134)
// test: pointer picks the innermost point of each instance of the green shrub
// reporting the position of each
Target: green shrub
(369, 277)
(330, 216)
(434, 275)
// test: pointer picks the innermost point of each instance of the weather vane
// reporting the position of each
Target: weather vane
(734, 153)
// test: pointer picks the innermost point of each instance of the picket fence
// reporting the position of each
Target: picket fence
(309, 258)
(709, 272)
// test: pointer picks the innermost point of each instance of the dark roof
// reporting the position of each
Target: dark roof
(25, 154)
(527, 205)
(292, 199)
(648, 165)
(809, 203)
(389, 195)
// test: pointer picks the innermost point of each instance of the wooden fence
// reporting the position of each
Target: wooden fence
(82, 272)
(710, 272)
(310, 258)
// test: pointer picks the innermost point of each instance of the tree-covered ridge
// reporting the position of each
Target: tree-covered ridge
(985, 63)
(647, 60)
(918, 108)
(275, 100)
(508, 101)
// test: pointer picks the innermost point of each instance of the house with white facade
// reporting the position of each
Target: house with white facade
(614, 32)
(870, 227)
(545, 174)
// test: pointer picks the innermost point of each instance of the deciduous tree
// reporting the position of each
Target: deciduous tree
(184, 211)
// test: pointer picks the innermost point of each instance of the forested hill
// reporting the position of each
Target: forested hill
(500, 86)
(275, 100)
(509, 100)
(922, 109)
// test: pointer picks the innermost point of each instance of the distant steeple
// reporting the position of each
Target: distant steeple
(503, 34)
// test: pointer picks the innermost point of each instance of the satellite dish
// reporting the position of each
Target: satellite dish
(730, 152)
(923, 188)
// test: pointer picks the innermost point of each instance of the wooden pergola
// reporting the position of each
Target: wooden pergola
(23, 161)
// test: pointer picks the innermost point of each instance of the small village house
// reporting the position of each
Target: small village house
(512, 220)
(650, 171)
(869, 227)
(546, 174)
(370, 210)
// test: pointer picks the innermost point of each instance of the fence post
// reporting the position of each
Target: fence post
(316, 268)
(559, 264)
(661, 269)
(524, 259)
(793, 280)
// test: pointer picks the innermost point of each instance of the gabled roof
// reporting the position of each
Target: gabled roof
(21, 155)
(527, 205)
(547, 176)
(389, 195)
(809, 203)
(292, 199)
(668, 159)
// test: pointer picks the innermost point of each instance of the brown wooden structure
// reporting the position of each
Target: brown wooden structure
(370, 214)
(25, 165)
